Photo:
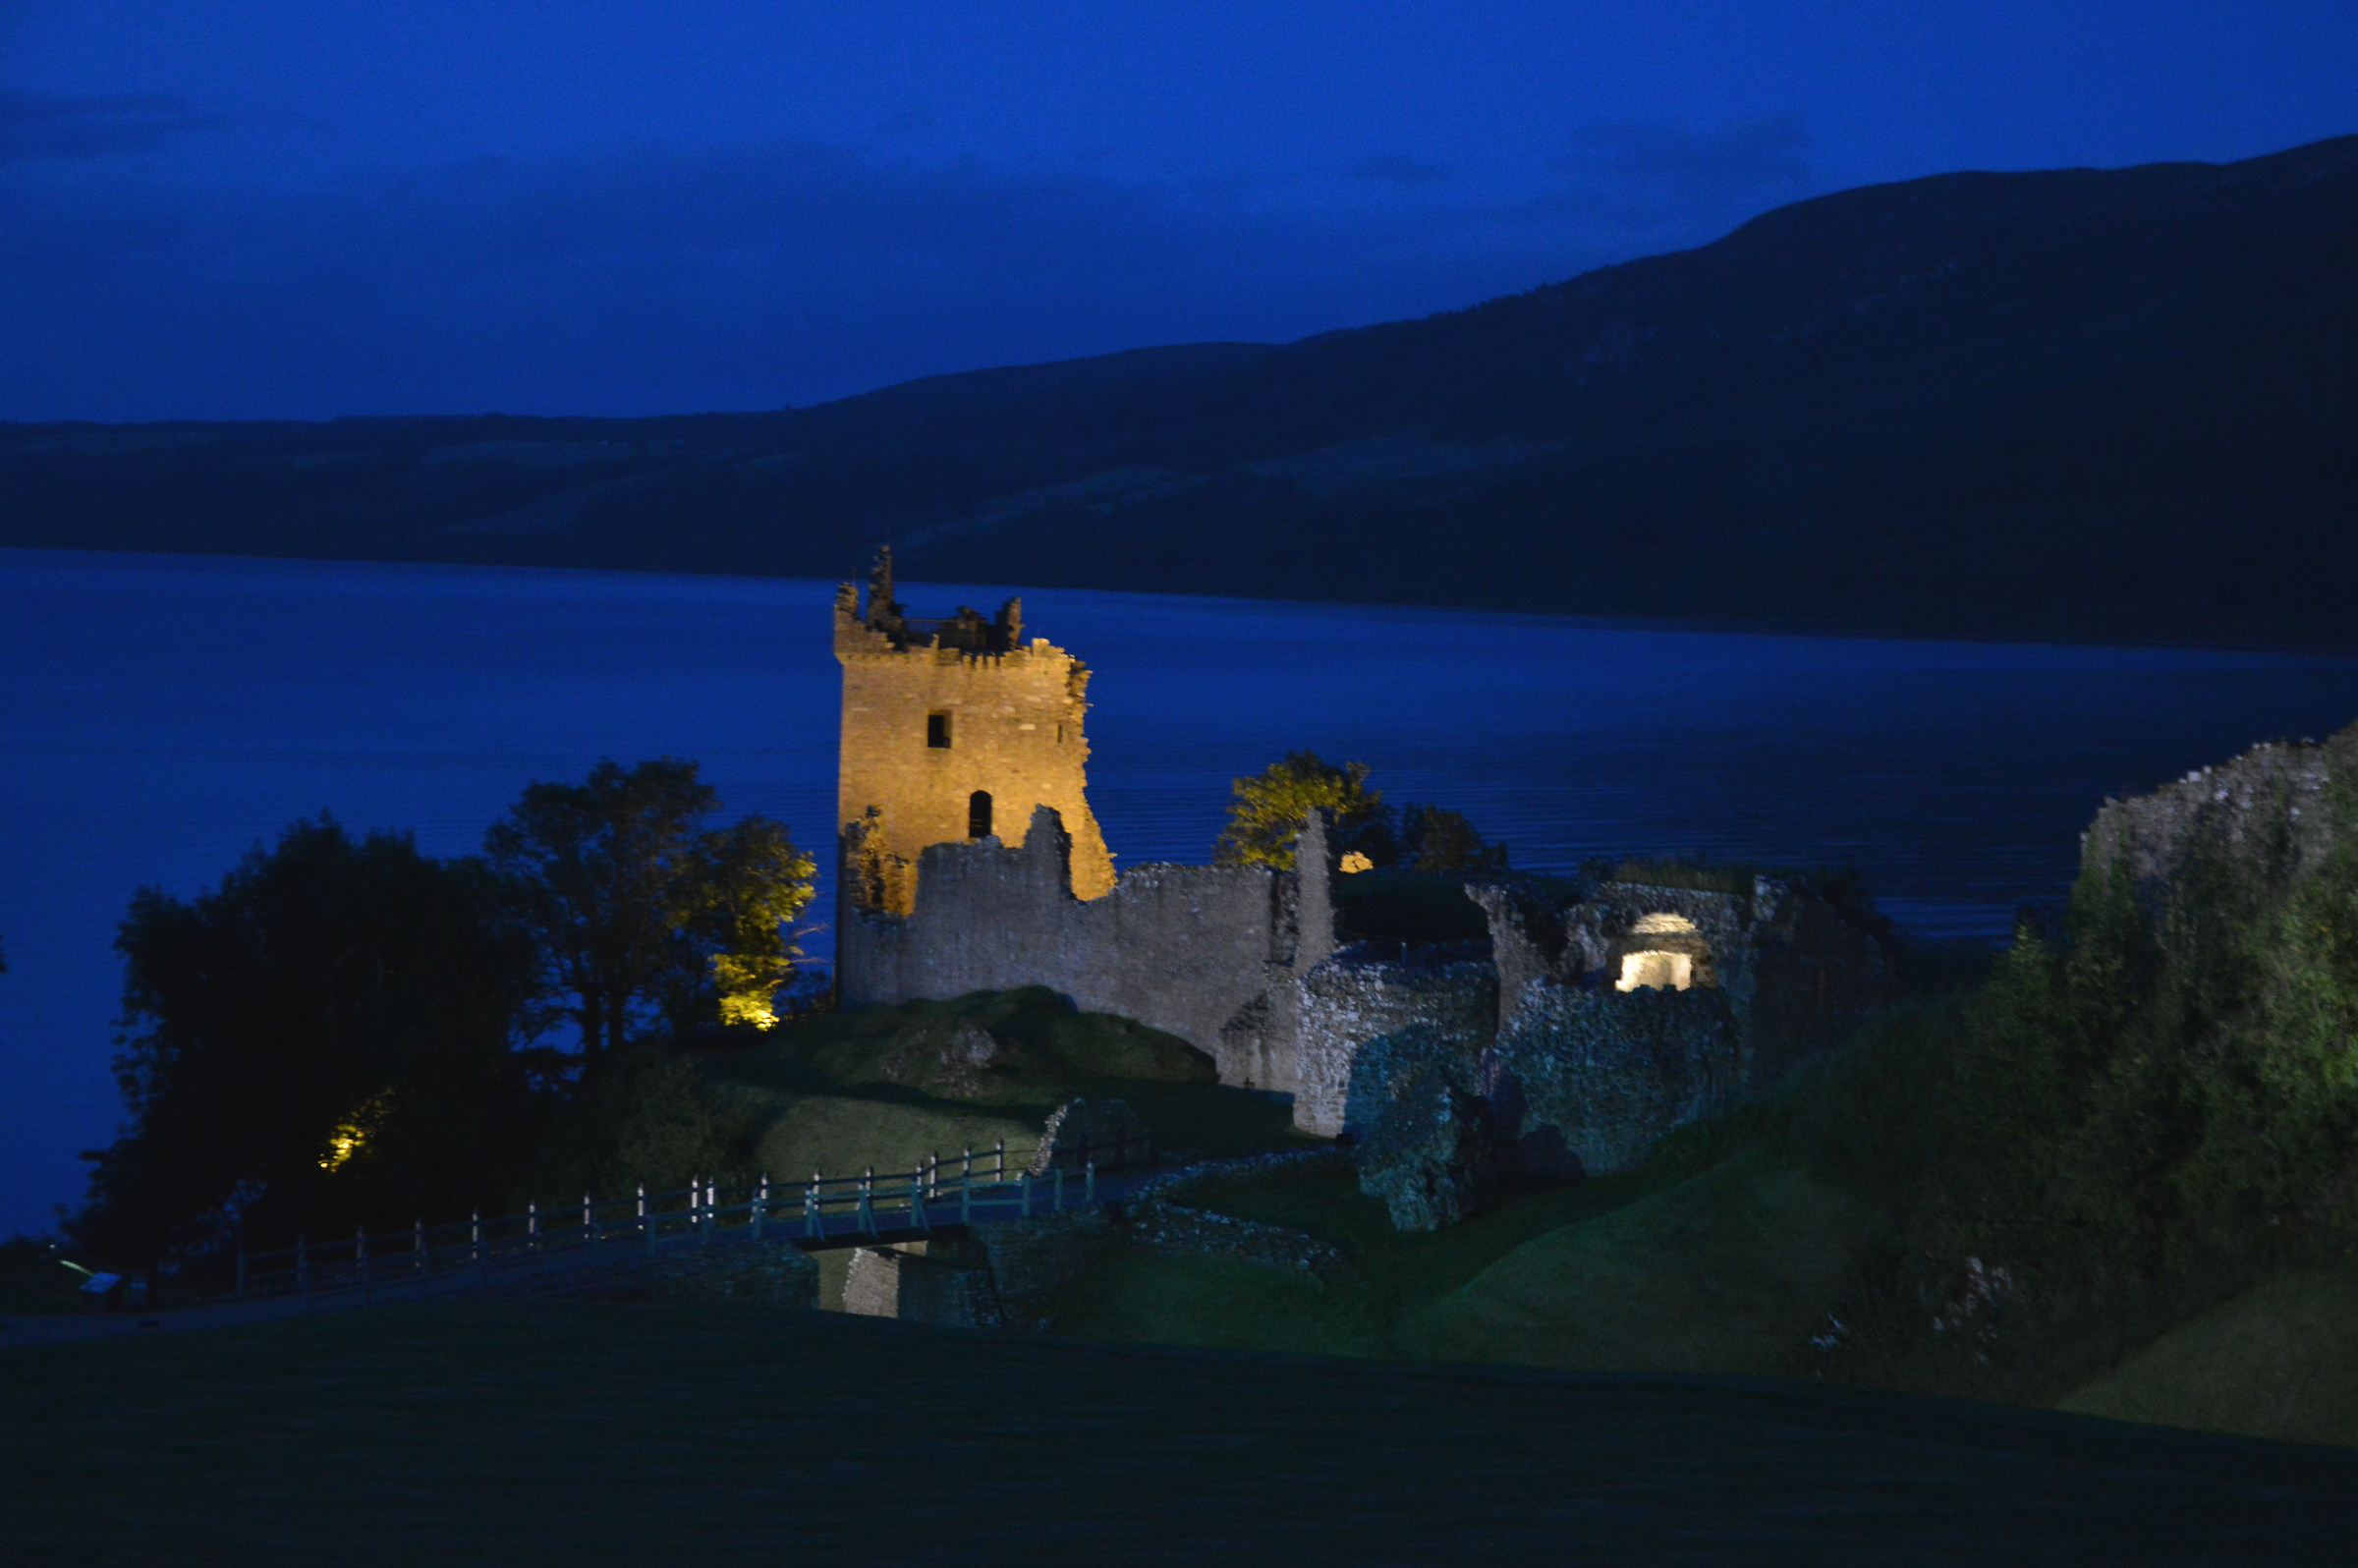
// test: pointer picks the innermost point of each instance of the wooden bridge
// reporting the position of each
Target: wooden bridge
(940, 1197)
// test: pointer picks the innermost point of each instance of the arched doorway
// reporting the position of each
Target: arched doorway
(977, 815)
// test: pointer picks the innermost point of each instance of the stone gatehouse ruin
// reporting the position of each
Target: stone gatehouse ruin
(1569, 1041)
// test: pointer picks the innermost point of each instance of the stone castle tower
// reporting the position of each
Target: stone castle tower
(952, 731)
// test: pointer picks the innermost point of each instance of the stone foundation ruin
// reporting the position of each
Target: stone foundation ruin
(1536, 1050)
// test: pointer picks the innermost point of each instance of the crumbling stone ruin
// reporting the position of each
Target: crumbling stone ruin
(1569, 1043)
(2266, 815)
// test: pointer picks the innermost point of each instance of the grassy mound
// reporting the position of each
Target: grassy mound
(32, 1280)
(888, 1086)
(2279, 1361)
(1728, 1271)
(840, 1135)
(1393, 1275)
(1021, 1047)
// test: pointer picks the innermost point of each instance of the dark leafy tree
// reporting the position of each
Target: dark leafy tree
(1270, 808)
(324, 1038)
(646, 921)
(1433, 838)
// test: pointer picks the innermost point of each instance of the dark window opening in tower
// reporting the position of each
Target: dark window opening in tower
(937, 729)
(977, 815)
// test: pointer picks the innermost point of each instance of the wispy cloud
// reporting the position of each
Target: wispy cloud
(41, 127)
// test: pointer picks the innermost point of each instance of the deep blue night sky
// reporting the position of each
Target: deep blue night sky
(260, 208)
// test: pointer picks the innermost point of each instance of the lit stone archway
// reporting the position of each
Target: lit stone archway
(1655, 968)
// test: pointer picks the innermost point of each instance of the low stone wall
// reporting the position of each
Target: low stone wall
(1613, 1071)
(1192, 950)
(1161, 1220)
(1355, 1000)
(1031, 1259)
(947, 1284)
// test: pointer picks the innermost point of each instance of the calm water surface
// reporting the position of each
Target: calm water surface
(161, 715)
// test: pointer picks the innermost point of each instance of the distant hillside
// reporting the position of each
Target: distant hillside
(2097, 403)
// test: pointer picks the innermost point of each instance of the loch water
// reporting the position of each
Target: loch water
(160, 715)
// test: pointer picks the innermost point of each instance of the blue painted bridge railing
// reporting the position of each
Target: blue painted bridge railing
(972, 1189)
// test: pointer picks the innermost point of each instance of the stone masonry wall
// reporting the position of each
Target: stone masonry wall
(1354, 1000)
(1612, 1071)
(1187, 949)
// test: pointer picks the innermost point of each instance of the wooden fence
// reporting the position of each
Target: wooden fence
(971, 1188)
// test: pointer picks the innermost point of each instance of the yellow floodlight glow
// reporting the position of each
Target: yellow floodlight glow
(351, 1134)
(1656, 971)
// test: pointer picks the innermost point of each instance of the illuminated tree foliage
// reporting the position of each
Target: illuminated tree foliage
(646, 919)
(1271, 806)
(755, 884)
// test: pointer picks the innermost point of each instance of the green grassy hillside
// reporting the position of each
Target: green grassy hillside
(888, 1086)
(2278, 1361)
(1729, 1271)
(592, 1434)
(32, 1280)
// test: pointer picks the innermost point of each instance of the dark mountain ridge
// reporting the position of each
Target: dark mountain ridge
(2071, 404)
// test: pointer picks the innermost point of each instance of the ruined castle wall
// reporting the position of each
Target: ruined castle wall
(1528, 941)
(1182, 948)
(2266, 813)
(1014, 726)
(1613, 1071)
(1352, 1001)
(1796, 974)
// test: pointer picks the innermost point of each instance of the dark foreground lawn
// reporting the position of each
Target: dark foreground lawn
(571, 1432)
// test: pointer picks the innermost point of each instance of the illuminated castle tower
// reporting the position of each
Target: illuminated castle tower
(953, 730)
